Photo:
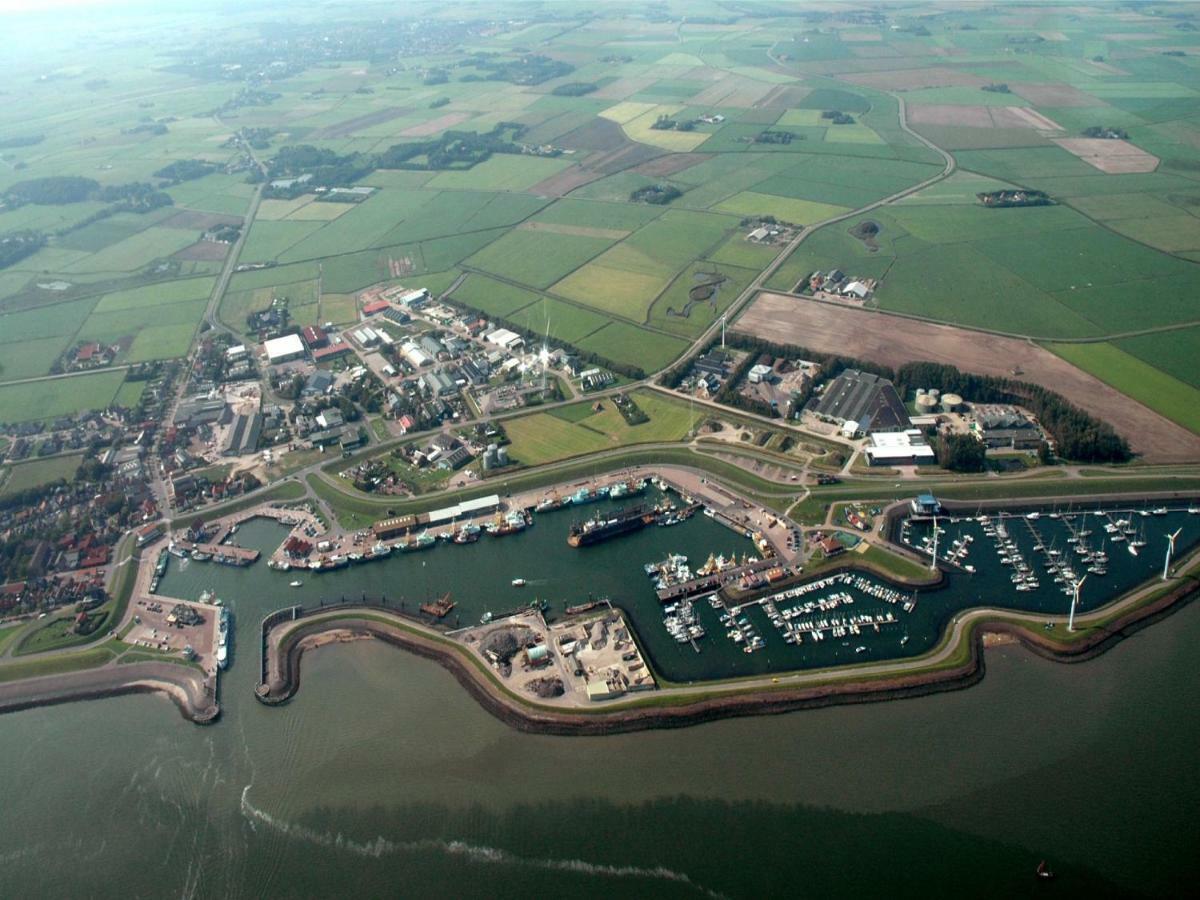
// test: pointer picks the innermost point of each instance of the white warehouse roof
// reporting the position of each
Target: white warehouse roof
(284, 347)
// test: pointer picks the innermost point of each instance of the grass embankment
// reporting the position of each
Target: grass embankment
(811, 510)
(355, 510)
(288, 490)
(8, 633)
(57, 664)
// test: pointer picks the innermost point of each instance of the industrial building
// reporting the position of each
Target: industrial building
(244, 435)
(284, 349)
(333, 351)
(868, 401)
(1008, 430)
(196, 411)
(315, 337)
(899, 448)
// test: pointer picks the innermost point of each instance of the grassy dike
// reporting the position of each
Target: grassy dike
(811, 510)
(355, 509)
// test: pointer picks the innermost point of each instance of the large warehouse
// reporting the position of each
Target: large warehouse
(865, 399)
(284, 349)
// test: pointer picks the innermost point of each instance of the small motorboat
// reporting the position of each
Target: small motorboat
(519, 582)
(296, 583)
(1043, 871)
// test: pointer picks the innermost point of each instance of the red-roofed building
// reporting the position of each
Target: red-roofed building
(831, 546)
(406, 424)
(92, 354)
(315, 337)
(331, 352)
(375, 307)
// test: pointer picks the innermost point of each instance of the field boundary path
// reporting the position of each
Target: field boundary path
(751, 290)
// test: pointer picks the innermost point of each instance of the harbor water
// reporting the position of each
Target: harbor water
(382, 777)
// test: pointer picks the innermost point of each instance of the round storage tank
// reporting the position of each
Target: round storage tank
(951, 402)
(926, 404)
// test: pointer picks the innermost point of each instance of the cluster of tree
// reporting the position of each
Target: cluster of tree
(1018, 197)
(53, 190)
(837, 117)
(258, 138)
(1108, 132)
(16, 245)
(136, 196)
(666, 123)
(439, 102)
(435, 76)
(58, 190)
(186, 170)
(454, 149)
(533, 337)
(997, 88)
(575, 89)
(526, 70)
(961, 453)
(658, 194)
(1077, 435)
(24, 140)
(771, 136)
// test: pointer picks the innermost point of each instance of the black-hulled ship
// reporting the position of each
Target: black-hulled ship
(609, 525)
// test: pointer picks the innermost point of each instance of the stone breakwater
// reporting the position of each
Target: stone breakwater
(191, 692)
(679, 707)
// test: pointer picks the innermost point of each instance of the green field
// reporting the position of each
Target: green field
(536, 258)
(24, 475)
(1174, 399)
(547, 437)
(58, 396)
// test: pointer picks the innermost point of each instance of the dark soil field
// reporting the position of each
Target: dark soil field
(892, 340)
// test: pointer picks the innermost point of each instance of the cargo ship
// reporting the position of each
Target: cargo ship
(609, 525)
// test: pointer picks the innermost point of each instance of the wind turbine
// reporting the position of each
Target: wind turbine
(1074, 602)
(1170, 552)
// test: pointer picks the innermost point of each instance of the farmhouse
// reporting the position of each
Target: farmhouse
(284, 349)
(867, 400)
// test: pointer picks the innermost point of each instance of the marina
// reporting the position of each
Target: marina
(696, 627)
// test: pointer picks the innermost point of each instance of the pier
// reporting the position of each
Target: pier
(717, 580)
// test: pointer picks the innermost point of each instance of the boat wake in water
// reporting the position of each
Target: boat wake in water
(382, 846)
